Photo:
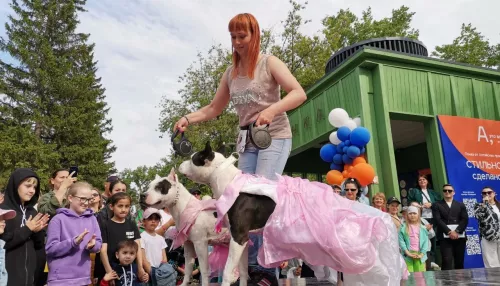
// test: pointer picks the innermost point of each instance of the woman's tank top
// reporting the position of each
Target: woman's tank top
(251, 96)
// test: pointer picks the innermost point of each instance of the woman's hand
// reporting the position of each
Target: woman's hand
(266, 116)
(181, 124)
(428, 226)
(143, 276)
(110, 276)
(427, 205)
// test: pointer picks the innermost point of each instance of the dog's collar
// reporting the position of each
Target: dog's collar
(228, 162)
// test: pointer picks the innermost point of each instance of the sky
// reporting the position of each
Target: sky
(143, 46)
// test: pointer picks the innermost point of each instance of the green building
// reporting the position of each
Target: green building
(398, 91)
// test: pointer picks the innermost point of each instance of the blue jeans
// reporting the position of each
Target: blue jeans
(267, 162)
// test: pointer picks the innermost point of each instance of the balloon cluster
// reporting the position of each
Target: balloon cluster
(346, 150)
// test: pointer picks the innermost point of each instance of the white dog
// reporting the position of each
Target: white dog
(194, 220)
(308, 222)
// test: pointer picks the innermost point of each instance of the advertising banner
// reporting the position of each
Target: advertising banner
(471, 149)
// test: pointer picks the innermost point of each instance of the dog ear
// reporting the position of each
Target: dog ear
(207, 153)
(204, 156)
(172, 176)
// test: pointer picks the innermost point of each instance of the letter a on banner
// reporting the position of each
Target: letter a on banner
(471, 157)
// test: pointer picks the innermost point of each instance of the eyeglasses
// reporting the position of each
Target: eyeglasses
(447, 191)
(84, 200)
(487, 193)
(351, 190)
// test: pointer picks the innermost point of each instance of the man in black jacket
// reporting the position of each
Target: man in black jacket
(451, 218)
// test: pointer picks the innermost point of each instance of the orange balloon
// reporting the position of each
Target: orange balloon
(364, 173)
(345, 173)
(347, 166)
(334, 177)
(350, 169)
(358, 160)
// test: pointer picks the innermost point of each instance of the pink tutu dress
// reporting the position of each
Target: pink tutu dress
(314, 224)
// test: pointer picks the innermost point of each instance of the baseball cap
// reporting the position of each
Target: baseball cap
(112, 179)
(195, 191)
(393, 200)
(7, 214)
(149, 211)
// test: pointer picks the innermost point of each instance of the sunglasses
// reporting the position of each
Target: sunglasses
(487, 193)
(351, 190)
(447, 191)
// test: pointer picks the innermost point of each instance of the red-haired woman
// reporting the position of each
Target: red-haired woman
(252, 83)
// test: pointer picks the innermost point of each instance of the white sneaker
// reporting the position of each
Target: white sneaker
(435, 267)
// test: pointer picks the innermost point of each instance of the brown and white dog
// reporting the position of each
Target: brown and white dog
(169, 192)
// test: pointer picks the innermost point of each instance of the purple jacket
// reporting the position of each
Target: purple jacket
(69, 264)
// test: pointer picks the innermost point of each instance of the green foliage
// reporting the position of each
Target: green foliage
(53, 102)
(200, 83)
(470, 47)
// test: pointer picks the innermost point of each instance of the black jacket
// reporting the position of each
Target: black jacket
(20, 241)
(444, 215)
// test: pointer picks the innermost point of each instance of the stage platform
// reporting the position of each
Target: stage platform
(473, 277)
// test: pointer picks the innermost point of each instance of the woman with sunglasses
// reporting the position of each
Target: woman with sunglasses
(352, 189)
(488, 215)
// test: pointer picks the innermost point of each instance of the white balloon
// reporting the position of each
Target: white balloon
(350, 124)
(338, 117)
(334, 139)
(358, 121)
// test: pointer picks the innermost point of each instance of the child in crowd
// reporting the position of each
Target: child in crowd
(118, 229)
(414, 241)
(4, 215)
(23, 234)
(152, 244)
(125, 271)
(72, 235)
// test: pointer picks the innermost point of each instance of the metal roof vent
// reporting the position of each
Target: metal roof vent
(396, 44)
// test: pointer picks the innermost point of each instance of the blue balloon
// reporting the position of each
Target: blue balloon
(337, 167)
(337, 159)
(347, 143)
(360, 136)
(343, 133)
(353, 151)
(344, 150)
(346, 159)
(340, 147)
(363, 150)
(327, 152)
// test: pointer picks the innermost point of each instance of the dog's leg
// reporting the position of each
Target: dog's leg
(189, 255)
(201, 248)
(233, 260)
(243, 267)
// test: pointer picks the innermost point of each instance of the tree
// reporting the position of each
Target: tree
(471, 47)
(52, 95)
(200, 85)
